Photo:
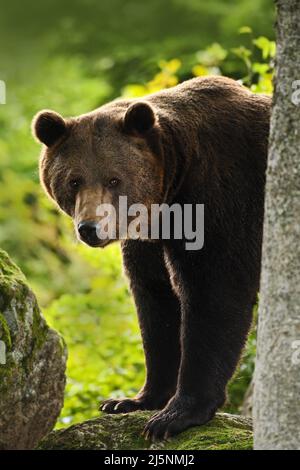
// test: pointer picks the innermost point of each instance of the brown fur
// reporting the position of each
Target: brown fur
(204, 141)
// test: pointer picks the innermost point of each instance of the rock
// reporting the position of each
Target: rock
(123, 432)
(32, 364)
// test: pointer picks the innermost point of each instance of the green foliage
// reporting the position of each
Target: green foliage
(76, 65)
(242, 377)
(256, 59)
(102, 334)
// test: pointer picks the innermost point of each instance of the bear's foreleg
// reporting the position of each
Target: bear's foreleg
(159, 318)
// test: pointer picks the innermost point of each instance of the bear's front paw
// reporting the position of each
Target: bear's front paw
(127, 405)
(122, 405)
(179, 414)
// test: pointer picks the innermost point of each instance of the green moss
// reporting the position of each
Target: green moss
(4, 332)
(16, 290)
(39, 332)
(123, 432)
(62, 344)
(12, 283)
(8, 268)
(220, 434)
(39, 327)
(6, 370)
(15, 295)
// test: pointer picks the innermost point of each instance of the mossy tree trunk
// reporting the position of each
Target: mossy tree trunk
(277, 377)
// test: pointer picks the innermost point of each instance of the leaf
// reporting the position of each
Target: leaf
(134, 91)
(171, 66)
(245, 30)
(259, 68)
(200, 71)
(213, 55)
(241, 52)
(267, 47)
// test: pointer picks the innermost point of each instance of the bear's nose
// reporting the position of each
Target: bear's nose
(88, 232)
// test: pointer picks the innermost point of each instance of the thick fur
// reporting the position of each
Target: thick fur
(204, 141)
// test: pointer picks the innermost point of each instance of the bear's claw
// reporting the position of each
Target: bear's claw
(141, 402)
(128, 405)
(174, 419)
(123, 405)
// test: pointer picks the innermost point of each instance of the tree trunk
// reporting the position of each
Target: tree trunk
(277, 376)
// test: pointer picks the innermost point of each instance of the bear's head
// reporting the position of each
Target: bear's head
(91, 160)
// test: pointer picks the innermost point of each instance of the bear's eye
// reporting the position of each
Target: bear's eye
(113, 182)
(75, 183)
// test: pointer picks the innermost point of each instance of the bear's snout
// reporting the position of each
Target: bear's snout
(87, 230)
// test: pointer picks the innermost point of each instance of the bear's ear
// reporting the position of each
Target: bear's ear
(48, 127)
(139, 117)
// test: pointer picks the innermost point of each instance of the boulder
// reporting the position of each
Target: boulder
(32, 364)
(123, 432)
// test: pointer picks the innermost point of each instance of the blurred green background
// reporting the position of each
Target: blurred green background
(72, 56)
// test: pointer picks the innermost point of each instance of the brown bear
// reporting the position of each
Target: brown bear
(201, 142)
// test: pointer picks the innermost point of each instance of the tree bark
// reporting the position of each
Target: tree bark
(277, 375)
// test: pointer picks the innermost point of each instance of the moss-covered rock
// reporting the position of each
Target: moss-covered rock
(123, 432)
(32, 364)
